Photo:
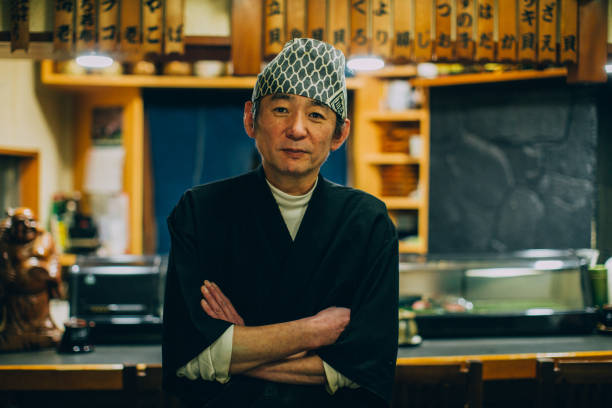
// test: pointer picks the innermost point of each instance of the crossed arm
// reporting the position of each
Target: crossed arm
(278, 352)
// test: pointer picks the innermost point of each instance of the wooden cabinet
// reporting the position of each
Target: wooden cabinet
(391, 157)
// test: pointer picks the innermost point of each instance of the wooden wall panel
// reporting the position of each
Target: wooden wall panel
(316, 19)
(403, 32)
(247, 38)
(175, 35)
(338, 24)
(360, 32)
(85, 25)
(592, 43)
(423, 30)
(108, 26)
(63, 26)
(381, 28)
(274, 31)
(466, 22)
(443, 46)
(131, 27)
(485, 44)
(528, 30)
(507, 31)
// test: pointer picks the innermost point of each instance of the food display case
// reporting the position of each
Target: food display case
(531, 292)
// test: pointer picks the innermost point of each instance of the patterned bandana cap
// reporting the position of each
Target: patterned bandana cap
(306, 67)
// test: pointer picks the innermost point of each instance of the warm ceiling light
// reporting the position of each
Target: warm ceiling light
(94, 61)
(365, 63)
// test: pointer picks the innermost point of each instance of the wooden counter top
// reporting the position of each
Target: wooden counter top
(503, 358)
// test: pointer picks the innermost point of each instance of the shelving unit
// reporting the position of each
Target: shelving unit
(373, 122)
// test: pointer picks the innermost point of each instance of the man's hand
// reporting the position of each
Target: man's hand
(217, 305)
(329, 324)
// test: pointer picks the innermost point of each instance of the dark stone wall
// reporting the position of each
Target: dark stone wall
(513, 166)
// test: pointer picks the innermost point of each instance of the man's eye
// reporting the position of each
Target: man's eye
(317, 115)
(280, 109)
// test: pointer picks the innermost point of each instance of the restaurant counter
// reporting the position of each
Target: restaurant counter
(115, 367)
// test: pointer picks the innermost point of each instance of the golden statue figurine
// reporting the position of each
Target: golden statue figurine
(29, 277)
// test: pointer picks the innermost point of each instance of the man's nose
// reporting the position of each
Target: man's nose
(297, 127)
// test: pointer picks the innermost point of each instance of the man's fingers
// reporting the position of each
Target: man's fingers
(209, 311)
(218, 300)
(227, 304)
(212, 302)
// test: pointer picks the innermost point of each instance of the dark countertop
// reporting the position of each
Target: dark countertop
(151, 354)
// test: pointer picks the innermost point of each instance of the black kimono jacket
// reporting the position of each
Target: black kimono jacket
(345, 254)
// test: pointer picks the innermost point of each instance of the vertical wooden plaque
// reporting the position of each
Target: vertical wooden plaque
(547, 31)
(360, 38)
(403, 33)
(296, 19)
(423, 41)
(63, 28)
(507, 38)
(20, 25)
(131, 32)
(568, 44)
(381, 28)
(528, 30)
(339, 24)
(485, 43)
(108, 25)
(85, 25)
(274, 32)
(175, 36)
(443, 46)
(316, 19)
(152, 26)
(466, 21)
(247, 38)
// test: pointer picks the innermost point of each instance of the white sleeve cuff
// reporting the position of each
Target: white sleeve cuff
(212, 363)
(334, 380)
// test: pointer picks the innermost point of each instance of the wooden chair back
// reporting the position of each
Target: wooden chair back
(438, 386)
(574, 383)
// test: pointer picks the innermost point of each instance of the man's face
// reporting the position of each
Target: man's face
(294, 134)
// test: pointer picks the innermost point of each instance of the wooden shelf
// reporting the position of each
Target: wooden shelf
(89, 81)
(411, 115)
(409, 247)
(391, 158)
(465, 79)
(402, 203)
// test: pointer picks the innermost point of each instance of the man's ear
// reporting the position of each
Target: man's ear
(337, 141)
(248, 120)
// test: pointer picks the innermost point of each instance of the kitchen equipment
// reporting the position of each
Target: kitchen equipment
(532, 292)
(122, 295)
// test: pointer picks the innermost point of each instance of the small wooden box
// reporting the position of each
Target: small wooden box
(399, 179)
(396, 140)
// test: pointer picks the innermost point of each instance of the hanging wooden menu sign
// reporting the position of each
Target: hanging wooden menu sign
(360, 40)
(485, 45)
(274, 31)
(296, 19)
(316, 19)
(247, 39)
(568, 44)
(423, 43)
(108, 25)
(402, 43)
(130, 37)
(20, 25)
(85, 25)
(62, 25)
(443, 46)
(464, 45)
(152, 26)
(381, 28)
(175, 37)
(338, 24)
(547, 31)
(528, 25)
(508, 40)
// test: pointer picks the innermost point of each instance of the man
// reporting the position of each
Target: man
(282, 287)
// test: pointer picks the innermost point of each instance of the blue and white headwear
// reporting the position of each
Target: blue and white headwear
(309, 68)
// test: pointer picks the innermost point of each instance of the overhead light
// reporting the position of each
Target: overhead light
(94, 61)
(609, 68)
(365, 63)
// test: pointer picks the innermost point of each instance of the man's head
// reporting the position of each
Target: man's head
(297, 113)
